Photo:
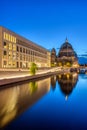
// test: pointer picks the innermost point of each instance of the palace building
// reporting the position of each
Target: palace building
(18, 52)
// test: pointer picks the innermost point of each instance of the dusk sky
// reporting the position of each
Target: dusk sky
(47, 22)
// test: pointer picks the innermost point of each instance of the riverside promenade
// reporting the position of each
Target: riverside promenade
(11, 77)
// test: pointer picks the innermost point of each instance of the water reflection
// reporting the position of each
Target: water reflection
(67, 82)
(53, 82)
(15, 100)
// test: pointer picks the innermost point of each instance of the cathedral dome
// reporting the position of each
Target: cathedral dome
(67, 50)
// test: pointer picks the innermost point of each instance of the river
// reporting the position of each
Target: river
(58, 102)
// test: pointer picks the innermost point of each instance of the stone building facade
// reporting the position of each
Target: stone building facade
(18, 52)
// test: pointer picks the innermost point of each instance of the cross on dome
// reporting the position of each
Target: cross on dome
(66, 40)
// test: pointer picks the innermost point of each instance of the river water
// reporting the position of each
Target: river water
(58, 102)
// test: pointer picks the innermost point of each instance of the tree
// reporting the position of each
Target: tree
(33, 68)
(33, 86)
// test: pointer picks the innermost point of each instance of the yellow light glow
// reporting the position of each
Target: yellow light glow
(59, 76)
(67, 76)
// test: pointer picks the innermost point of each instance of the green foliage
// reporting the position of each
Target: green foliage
(53, 65)
(33, 87)
(60, 64)
(33, 68)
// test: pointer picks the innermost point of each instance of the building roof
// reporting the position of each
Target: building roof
(53, 50)
(25, 39)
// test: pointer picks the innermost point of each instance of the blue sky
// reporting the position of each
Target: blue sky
(47, 22)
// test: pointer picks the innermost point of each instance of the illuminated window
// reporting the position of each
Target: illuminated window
(10, 54)
(5, 45)
(14, 54)
(15, 40)
(14, 47)
(9, 63)
(14, 63)
(9, 37)
(4, 35)
(12, 38)
(10, 46)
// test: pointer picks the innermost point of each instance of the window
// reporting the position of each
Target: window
(23, 50)
(9, 63)
(26, 51)
(5, 62)
(7, 36)
(14, 47)
(4, 43)
(11, 38)
(14, 56)
(23, 57)
(17, 56)
(4, 35)
(17, 64)
(10, 46)
(10, 54)
(20, 57)
(17, 48)
(14, 40)
(5, 53)
(14, 64)
(20, 49)
(20, 64)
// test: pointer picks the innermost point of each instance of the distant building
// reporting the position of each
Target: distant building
(16, 52)
(67, 56)
(53, 56)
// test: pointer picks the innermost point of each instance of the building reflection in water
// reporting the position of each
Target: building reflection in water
(67, 82)
(53, 82)
(15, 100)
